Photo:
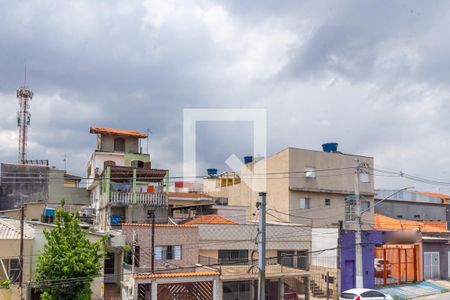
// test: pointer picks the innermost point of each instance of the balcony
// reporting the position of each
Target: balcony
(159, 199)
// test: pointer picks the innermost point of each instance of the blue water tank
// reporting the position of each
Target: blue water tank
(330, 147)
(211, 172)
(248, 159)
(49, 212)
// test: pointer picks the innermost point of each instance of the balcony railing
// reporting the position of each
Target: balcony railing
(141, 198)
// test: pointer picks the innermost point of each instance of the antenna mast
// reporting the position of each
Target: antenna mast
(24, 96)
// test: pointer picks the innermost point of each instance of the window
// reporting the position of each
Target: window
(350, 210)
(137, 255)
(416, 216)
(327, 202)
(109, 263)
(373, 294)
(364, 177)
(14, 270)
(365, 206)
(233, 256)
(168, 253)
(310, 172)
(348, 296)
(305, 203)
(286, 258)
(399, 217)
(119, 144)
(137, 164)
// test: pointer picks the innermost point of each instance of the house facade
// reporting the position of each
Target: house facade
(301, 186)
(121, 182)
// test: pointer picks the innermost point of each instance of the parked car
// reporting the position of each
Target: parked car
(379, 267)
(290, 294)
(364, 294)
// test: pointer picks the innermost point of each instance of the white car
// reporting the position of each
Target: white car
(364, 294)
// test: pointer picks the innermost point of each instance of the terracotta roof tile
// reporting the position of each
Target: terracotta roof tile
(434, 195)
(387, 223)
(172, 275)
(210, 219)
(158, 225)
(113, 131)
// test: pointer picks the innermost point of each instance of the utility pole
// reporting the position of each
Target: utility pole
(22, 220)
(133, 252)
(358, 239)
(262, 246)
(153, 241)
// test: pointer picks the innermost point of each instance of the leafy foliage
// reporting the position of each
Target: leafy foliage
(69, 261)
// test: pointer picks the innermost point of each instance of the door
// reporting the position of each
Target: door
(448, 265)
(431, 265)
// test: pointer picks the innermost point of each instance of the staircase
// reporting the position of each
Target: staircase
(316, 290)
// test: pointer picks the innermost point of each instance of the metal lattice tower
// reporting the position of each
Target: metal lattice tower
(24, 96)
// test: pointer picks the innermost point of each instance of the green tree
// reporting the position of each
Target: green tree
(69, 261)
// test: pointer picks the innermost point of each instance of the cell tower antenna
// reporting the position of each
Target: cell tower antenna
(24, 96)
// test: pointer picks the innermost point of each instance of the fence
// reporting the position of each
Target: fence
(323, 270)
(397, 264)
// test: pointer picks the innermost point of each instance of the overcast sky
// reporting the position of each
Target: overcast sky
(371, 75)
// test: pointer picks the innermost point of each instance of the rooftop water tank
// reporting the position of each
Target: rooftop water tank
(248, 159)
(330, 147)
(211, 172)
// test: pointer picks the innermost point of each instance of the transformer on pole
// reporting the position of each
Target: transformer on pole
(24, 96)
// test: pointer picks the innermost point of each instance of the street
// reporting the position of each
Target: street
(435, 297)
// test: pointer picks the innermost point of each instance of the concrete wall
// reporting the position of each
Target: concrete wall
(71, 195)
(165, 235)
(427, 212)
(443, 250)
(23, 184)
(285, 185)
(240, 236)
(324, 238)
(107, 143)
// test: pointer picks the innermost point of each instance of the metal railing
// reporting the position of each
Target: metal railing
(141, 198)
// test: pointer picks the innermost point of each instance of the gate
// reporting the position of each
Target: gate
(396, 264)
(201, 290)
(431, 265)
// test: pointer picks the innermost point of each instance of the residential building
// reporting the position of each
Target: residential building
(176, 271)
(34, 242)
(27, 183)
(412, 205)
(435, 243)
(122, 184)
(184, 206)
(230, 247)
(303, 186)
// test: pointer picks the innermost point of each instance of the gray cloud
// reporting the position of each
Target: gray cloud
(371, 75)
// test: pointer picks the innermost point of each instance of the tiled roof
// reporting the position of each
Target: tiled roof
(210, 219)
(157, 225)
(188, 195)
(10, 230)
(434, 195)
(387, 223)
(113, 131)
(172, 275)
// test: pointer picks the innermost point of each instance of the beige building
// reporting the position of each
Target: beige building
(34, 242)
(303, 186)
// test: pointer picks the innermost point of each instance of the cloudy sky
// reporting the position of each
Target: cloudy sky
(371, 75)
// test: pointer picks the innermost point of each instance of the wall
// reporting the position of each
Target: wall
(241, 236)
(443, 250)
(129, 157)
(33, 212)
(131, 143)
(427, 212)
(348, 272)
(324, 238)
(165, 235)
(345, 163)
(28, 184)
(71, 195)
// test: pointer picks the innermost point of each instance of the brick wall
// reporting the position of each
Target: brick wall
(165, 235)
